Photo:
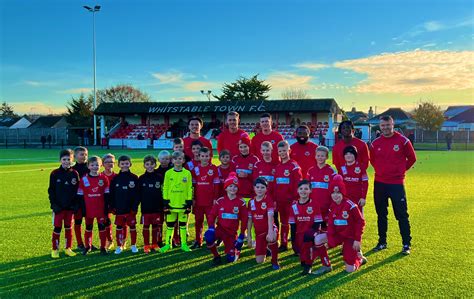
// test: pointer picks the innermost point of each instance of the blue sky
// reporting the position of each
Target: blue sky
(362, 53)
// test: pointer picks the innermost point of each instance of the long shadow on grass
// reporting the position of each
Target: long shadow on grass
(38, 214)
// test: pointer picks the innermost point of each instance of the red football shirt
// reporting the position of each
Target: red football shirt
(304, 155)
(93, 189)
(230, 141)
(391, 157)
(320, 179)
(362, 152)
(287, 177)
(223, 174)
(345, 220)
(259, 211)
(187, 145)
(245, 165)
(230, 213)
(206, 185)
(305, 215)
(274, 137)
(356, 181)
(266, 170)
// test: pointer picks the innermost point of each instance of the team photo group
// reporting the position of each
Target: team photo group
(264, 193)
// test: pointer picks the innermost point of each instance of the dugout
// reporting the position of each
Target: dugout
(156, 123)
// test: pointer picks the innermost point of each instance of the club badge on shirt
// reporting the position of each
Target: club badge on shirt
(185, 180)
(131, 184)
(309, 210)
(306, 154)
(326, 178)
(345, 215)
(236, 210)
(210, 172)
(396, 148)
(264, 205)
(74, 181)
(357, 169)
(157, 185)
(101, 183)
(286, 173)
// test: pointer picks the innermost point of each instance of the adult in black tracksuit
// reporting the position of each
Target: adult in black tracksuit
(62, 192)
(151, 200)
(123, 194)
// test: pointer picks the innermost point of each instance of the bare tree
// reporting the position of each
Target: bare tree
(294, 94)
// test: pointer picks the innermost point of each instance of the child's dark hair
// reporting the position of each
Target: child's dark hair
(304, 182)
(224, 153)
(78, 149)
(177, 154)
(93, 159)
(149, 158)
(178, 141)
(65, 152)
(283, 143)
(261, 180)
(204, 150)
(196, 142)
(125, 158)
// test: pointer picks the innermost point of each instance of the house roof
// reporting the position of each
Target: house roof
(464, 117)
(398, 115)
(455, 110)
(46, 121)
(357, 116)
(7, 121)
(309, 105)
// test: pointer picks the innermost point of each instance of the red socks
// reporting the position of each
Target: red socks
(274, 249)
(133, 235)
(55, 240)
(103, 238)
(322, 252)
(78, 233)
(119, 236)
(146, 236)
(88, 238)
(156, 236)
(68, 236)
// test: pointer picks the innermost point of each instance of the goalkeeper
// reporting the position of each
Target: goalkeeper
(178, 200)
(230, 212)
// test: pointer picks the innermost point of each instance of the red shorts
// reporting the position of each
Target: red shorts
(227, 239)
(90, 220)
(261, 242)
(125, 219)
(65, 216)
(151, 219)
(349, 255)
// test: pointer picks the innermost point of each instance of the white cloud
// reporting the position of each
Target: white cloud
(283, 80)
(32, 83)
(414, 71)
(38, 107)
(311, 65)
(433, 26)
(169, 78)
(76, 90)
(372, 43)
(429, 45)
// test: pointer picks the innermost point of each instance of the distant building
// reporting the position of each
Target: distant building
(49, 122)
(7, 121)
(401, 118)
(357, 116)
(459, 118)
(22, 123)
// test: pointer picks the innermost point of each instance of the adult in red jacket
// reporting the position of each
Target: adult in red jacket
(392, 154)
(267, 134)
(304, 150)
(229, 138)
(195, 125)
(346, 128)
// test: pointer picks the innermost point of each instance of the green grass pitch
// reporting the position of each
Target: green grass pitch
(440, 191)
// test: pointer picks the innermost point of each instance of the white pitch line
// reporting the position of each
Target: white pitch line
(27, 170)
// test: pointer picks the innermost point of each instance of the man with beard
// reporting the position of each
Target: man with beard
(195, 125)
(303, 151)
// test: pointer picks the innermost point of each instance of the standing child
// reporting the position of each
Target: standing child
(244, 164)
(266, 167)
(206, 186)
(261, 216)
(93, 190)
(230, 212)
(306, 221)
(108, 161)
(355, 177)
(164, 158)
(63, 183)
(320, 176)
(80, 155)
(287, 177)
(196, 146)
(178, 200)
(224, 169)
(151, 200)
(123, 194)
(345, 227)
(178, 146)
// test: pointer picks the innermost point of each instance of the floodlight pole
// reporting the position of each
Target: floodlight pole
(93, 11)
(207, 94)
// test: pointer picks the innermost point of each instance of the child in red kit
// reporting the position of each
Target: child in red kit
(266, 167)
(63, 184)
(345, 227)
(355, 177)
(261, 216)
(320, 176)
(94, 191)
(206, 187)
(244, 164)
(287, 177)
(108, 161)
(224, 169)
(230, 212)
(196, 146)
